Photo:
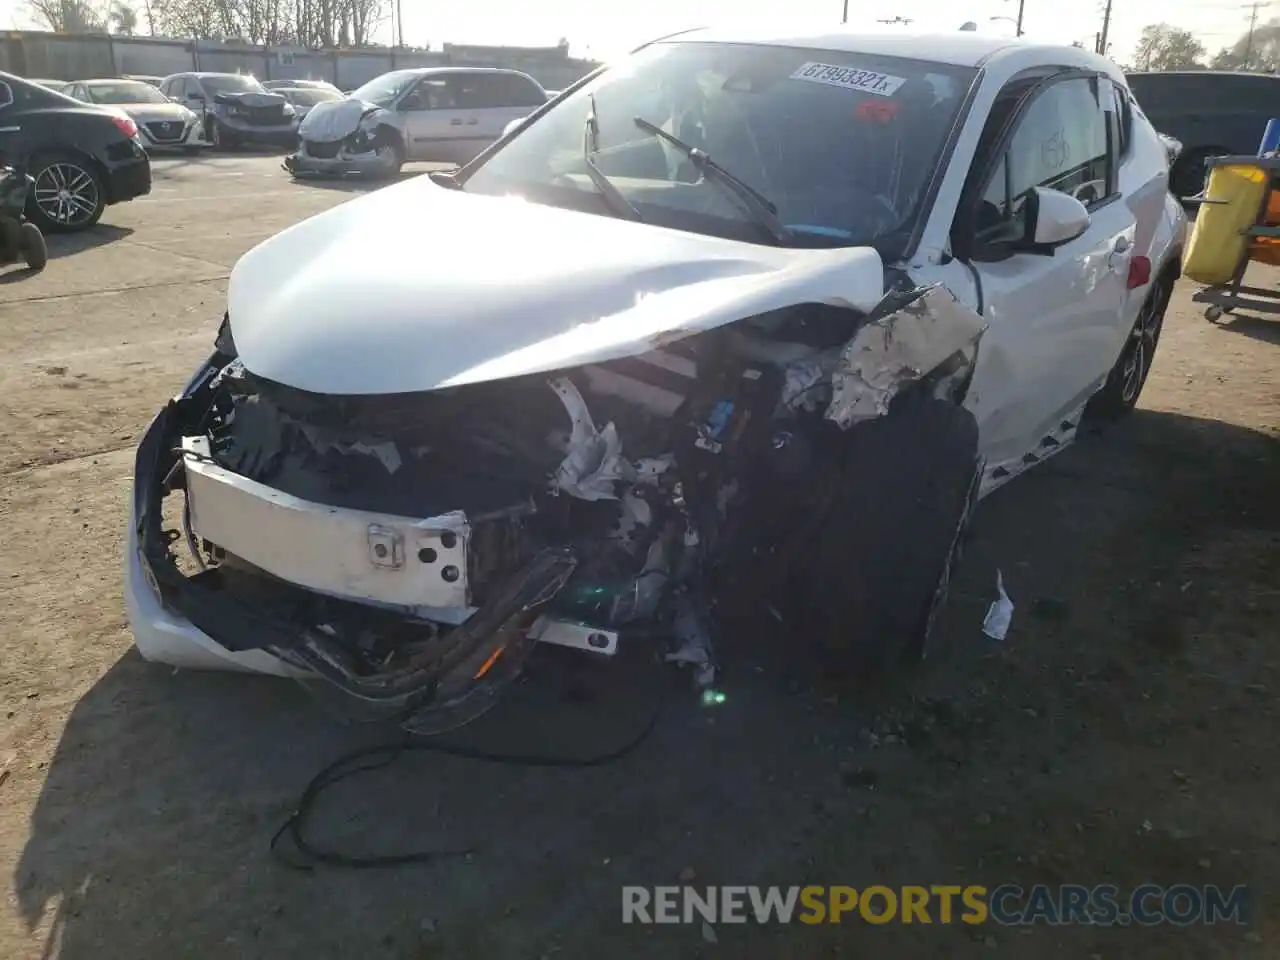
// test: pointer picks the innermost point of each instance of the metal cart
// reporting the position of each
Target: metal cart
(1227, 297)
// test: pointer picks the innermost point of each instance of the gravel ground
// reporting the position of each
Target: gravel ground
(1119, 734)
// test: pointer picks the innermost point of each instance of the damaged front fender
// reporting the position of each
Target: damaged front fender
(905, 338)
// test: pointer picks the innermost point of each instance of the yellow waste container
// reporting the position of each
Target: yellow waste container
(1217, 243)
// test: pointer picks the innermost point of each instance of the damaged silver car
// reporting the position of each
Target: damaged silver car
(735, 322)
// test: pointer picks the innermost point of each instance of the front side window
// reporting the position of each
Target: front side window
(842, 144)
(1060, 143)
(384, 90)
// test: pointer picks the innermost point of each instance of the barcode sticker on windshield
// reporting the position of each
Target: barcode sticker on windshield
(864, 81)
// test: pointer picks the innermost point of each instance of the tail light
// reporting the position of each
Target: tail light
(125, 124)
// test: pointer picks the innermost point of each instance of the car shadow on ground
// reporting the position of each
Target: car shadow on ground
(357, 184)
(63, 245)
(151, 831)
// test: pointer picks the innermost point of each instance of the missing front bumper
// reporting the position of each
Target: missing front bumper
(447, 674)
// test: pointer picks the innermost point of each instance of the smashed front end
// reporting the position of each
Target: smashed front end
(409, 550)
(345, 138)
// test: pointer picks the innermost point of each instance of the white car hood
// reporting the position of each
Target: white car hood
(150, 112)
(332, 120)
(417, 287)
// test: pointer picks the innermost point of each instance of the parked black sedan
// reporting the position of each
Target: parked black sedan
(83, 158)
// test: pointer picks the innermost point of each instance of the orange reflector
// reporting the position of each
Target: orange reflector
(493, 658)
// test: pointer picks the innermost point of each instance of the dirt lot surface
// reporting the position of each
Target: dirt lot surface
(1123, 733)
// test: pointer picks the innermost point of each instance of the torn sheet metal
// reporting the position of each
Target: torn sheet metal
(897, 349)
(594, 461)
(694, 638)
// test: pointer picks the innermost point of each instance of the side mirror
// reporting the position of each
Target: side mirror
(1053, 218)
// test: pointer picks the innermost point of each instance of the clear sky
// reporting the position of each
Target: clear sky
(601, 29)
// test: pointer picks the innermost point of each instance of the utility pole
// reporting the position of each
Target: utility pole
(1106, 27)
(1018, 27)
(843, 19)
(1253, 22)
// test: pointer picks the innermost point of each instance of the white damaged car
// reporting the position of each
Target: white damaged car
(740, 320)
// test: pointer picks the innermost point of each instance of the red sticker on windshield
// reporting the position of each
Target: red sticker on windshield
(876, 111)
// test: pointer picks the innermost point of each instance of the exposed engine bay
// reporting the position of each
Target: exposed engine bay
(412, 549)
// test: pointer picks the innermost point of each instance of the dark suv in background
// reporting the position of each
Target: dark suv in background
(1211, 112)
(82, 157)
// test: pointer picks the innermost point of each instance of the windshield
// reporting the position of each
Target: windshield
(309, 97)
(125, 91)
(216, 83)
(843, 144)
(384, 89)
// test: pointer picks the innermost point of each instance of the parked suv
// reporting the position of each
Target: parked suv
(235, 109)
(1212, 113)
(82, 157)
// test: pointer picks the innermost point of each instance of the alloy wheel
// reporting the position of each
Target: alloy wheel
(67, 194)
(1142, 345)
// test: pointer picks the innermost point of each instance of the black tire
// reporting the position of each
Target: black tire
(881, 563)
(78, 175)
(33, 246)
(1188, 175)
(1120, 393)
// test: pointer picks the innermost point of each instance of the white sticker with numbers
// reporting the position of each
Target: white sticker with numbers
(851, 78)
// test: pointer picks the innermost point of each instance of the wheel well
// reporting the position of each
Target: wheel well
(390, 134)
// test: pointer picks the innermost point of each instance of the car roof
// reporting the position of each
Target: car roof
(959, 48)
(460, 69)
(1201, 73)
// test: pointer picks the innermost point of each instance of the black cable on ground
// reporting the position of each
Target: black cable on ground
(383, 755)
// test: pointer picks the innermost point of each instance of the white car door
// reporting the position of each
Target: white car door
(1057, 318)
(431, 122)
(493, 99)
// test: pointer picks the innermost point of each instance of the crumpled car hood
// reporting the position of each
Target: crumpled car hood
(334, 119)
(417, 287)
(250, 99)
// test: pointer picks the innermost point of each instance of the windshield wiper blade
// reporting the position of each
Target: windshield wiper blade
(590, 144)
(763, 210)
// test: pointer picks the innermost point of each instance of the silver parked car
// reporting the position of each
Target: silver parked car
(443, 114)
(235, 109)
(162, 124)
(304, 98)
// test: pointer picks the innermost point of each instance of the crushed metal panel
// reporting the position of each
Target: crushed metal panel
(896, 349)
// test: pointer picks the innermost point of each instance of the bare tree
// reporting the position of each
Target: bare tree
(66, 16)
(122, 18)
(1260, 52)
(310, 23)
(1162, 47)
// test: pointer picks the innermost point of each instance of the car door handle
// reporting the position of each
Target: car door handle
(9, 129)
(1120, 250)
(473, 121)
(455, 122)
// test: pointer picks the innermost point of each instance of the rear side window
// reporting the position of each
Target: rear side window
(483, 90)
(6, 95)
